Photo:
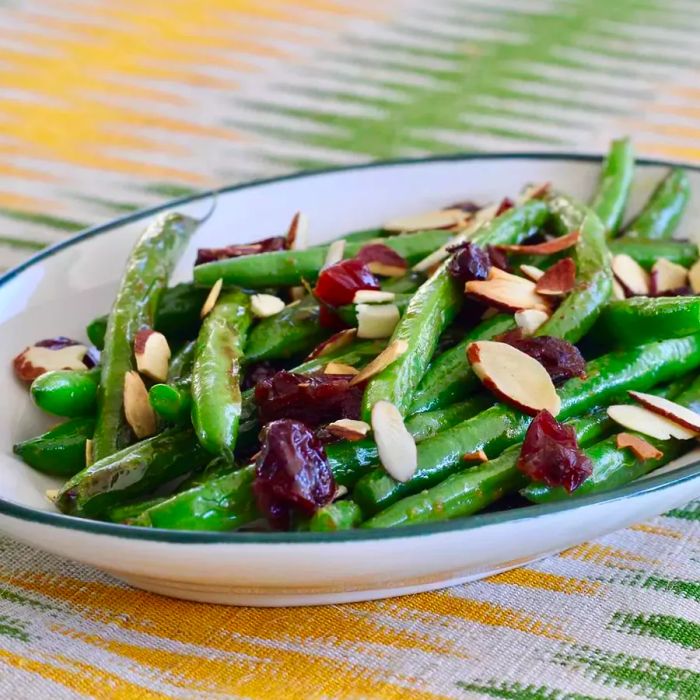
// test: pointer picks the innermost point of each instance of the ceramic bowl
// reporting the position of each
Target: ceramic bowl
(58, 291)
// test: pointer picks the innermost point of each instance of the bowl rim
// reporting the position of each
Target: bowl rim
(649, 484)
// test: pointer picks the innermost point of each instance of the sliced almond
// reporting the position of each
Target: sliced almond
(631, 275)
(536, 191)
(666, 275)
(479, 456)
(340, 491)
(349, 429)
(495, 273)
(506, 294)
(559, 279)
(390, 353)
(152, 354)
(395, 445)
(440, 218)
(641, 448)
(694, 277)
(340, 368)
(376, 320)
(554, 245)
(297, 293)
(669, 409)
(51, 495)
(335, 342)
(137, 408)
(384, 270)
(644, 421)
(212, 298)
(618, 291)
(513, 376)
(33, 361)
(335, 253)
(531, 272)
(88, 453)
(529, 320)
(372, 296)
(298, 233)
(265, 305)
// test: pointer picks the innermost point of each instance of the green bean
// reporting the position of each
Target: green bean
(450, 377)
(501, 426)
(432, 309)
(640, 320)
(614, 185)
(66, 392)
(60, 451)
(172, 402)
(576, 315)
(292, 267)
(425, 425)
(177, 315)
(647, 252)
(341, 515)
(662, 213)
(216, 392)
(131, 472)
(142, 284)
(126, 514)
(182, 362)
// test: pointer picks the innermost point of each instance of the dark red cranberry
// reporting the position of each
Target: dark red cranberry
(561, 359)
(466, 206)
(266, 245)
(469, 262)
(498, 258)
(338, 283)
(257, 372)
(677, 292)
(504, 206)
(327, 318)
(550, 453)
(378, 252)
(291, 473)
(315, 399)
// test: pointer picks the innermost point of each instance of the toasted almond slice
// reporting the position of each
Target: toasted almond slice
(212, 298)
(298, 233)
(440, 218)
(265, 305)
(555, 245)
(137, 408)
(668, 409)
(531, 272)
(559, 279)
(390, 353)
(479, 456)
(335, 253)
(51, 495)
(152, 354)
(644, 421)
(384, 270)
(335, 342)
(631, 275)
(666, 275)
(88, 453)
(537, 191)
(529, 320)
(340, 368)
(509, 295)
(376, 320)
(495, 273)
(340, 491)
(395, 445)
(694, 277)
(513, 376)
(641, 448)
(349, 429)
(618, 291)
(297, 293)
(372, 296)
(33, 361)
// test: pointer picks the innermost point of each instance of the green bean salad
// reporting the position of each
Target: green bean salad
(479, 356)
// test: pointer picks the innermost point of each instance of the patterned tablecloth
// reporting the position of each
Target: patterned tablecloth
(106, 107)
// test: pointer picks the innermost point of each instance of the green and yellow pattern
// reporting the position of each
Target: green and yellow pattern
(106, 107)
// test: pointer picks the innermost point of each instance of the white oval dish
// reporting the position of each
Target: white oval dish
(58, 291)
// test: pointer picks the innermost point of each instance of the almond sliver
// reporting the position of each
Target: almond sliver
(372, 296)
(335, 253)
(641, 420)
(137, 409)
(349, 429)
(390, 353)
(265, 305)
(509, 295)
(667, 275)
(438, 219)
(668, 409)
(529, 320)
(395, 445)
(631, 275)
(694, 277)
(531, 272)
(212, 298)
(298, 233)
(641, 448)
(376, 320)
(555, 245)
(339, 368)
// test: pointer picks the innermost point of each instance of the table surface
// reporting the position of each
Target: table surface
(108, 107)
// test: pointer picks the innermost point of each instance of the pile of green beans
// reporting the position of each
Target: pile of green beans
(197, 471)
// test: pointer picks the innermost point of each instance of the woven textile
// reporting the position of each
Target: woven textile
(106, 107)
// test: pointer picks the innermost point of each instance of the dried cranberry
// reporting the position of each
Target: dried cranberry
(327, 318)
(315, 399)
(504, 206)
(498, 258)
(257, 372)
(469, 262)
(677, 292)
(561, 359)
(551, 454)
(291, 473)
(338, 283)
(266, 245)
(466, 206)
(378, 252)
